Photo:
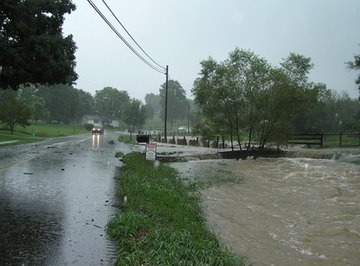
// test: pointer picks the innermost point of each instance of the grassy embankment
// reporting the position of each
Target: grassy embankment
(39, 132)
(161, 220)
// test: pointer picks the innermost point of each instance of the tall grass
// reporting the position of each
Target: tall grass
(161, 221)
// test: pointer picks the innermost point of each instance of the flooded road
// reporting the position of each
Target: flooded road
(287, 211)
(56, 198)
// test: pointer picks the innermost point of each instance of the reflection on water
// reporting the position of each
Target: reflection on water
(54, 208)
(96, 141)
(288, 211)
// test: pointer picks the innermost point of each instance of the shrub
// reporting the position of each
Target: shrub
(89, 126)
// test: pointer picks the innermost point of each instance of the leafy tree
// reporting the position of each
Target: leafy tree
(29, 95)
(111, 102)
(177, 105)
(347, 114)
(230, 93)
(355, 65)
(62, 102)
(86, 103)
(13, 112)
(135, 114)
(297, 68)
(32, 46)
(149, 111)
(213, 98)
(152, 100)
(244, 94)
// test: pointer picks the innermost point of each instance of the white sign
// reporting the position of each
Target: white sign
(151, 151)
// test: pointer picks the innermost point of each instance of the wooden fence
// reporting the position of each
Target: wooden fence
(326, 139)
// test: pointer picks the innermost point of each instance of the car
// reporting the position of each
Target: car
(97, 130)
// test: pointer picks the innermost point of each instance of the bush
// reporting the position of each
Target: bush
(89, 126)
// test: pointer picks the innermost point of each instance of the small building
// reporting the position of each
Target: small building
(101, 121)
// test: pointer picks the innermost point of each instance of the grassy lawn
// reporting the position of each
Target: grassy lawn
(40, 132)
(347, 141)
(161, 220)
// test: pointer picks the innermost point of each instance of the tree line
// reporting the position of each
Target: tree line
(66, 104)
(246, 98)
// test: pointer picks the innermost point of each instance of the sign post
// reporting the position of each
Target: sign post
(151, 151)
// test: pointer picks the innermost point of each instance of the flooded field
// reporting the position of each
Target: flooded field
(287, 211)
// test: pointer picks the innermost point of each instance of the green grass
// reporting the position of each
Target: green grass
(40, 132)
(331, 141)
(126, 139)
(161, 221)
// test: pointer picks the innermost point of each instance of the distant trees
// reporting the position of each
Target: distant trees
(13, 111)
(135, 114)
(60, 103)
(32, 46)
(111, 102)
(177, 102)
(152, 105)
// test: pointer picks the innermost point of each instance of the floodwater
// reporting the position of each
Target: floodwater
(286, 211)
(56, 198)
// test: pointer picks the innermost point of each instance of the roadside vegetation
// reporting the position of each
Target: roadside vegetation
(161, 221)
(127, 139)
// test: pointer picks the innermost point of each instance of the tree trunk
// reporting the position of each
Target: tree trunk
(238, 130)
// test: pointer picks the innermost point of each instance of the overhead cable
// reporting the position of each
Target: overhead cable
(130, 35)
(123, 39)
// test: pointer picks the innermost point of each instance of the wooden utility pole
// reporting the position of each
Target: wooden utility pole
(166, 100)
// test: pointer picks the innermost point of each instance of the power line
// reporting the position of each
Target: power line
(123, 39)
(130, 35)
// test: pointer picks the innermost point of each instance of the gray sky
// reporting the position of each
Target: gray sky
(183, 33)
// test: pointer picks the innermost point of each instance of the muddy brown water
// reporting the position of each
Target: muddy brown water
(286, 211)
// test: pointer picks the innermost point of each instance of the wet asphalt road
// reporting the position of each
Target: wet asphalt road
(56, 198)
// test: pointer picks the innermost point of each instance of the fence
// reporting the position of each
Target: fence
(327, 139)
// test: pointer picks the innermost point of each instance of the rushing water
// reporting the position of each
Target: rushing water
(287, 211)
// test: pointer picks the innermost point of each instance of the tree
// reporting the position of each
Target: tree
(86, 103)
(212, 96)
(30, 96)
(32, 46)
(347, 114)
(13, 112)
(230, 93)
(152, 100)
(62, 102)
(177, 105)
(135, 114)
(355, 65)
(245, 95)
(111, 102)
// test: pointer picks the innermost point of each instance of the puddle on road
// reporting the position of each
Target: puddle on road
(54, 209)
(285, 211)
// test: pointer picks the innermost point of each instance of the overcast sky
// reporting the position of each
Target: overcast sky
(183, 33)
